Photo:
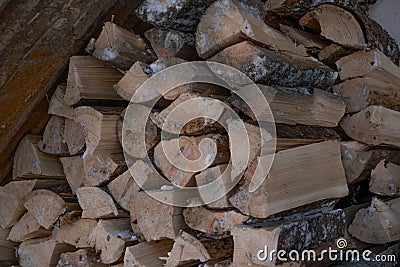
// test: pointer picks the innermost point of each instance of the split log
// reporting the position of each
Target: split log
(188, 249)
(31, 163)
(331, 54)
(310, 41)
(110, 237)
(74, 137)
(76, 233)
(385, 180)
(123, 189)
(57, 105)
(238, 25)
(156, 220)
(379, 223)
(189, 149)
(95, 203)
(299, 234)
(120, 47)
(79, 258)
(360, 93)
(331, 21)
(90, 79)
(73, 169)
(27, 228)
(147, 253)
(131, 81)
(374, 125)
(373, 64)
(212, 222)
(100, 167)
(285, 188)
(8, 248)
(320, 109)
(265, 66)
(12, 197)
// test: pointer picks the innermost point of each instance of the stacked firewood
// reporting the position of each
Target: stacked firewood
(330, 76)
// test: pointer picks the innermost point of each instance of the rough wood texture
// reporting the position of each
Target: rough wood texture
(265, 66)
(331, 54)
(73, 169)
(131, 81)
(147, 253)
(385, 179)
(374, 125)
(57, 105)
(310, 41)
(74, 137)
(79, 258)
(379, 223)
(76, 233)
(291, 185)
(7, 251)
(360, 93)
(27, 228)
(120, 47)
(123, 189)
(95, 203)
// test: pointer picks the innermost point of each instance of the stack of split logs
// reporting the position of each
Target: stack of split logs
(331, 77)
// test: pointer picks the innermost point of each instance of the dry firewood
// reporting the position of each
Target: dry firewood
(331, 21)
(73, 169)
(123, 189)
(120, 47)
(90, 79)
(57, 105)
(27, 228)
(289, 234)
(76, 233)
(53, 138)
(156, 220)
(188, 249)
(8, 248)
(360, 93)
(131, 81)
(79, 258)
(310, 41)
(100, 167)
(321, 108)
(212, 222)
(331, 54)
(379, 223)
(286, 188)
(31, 163)
(147, 253)
(385, 179)
(374, 125)
(95, 203)
(110, 237)
(12, 197)
(373, 64)
(41, 252)
(238, 25)
(265, 66)
(189, 150)
(74, 137)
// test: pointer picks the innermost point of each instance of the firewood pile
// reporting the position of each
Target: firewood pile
(331, 78)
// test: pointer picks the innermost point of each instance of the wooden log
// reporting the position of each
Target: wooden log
(212, 222)
(27, 228)
(289, 187)
(120, 47)
(310, 41)
(53, 138)
(360, 93)
(90, 79)
(95, 203)
(123, 189)
(76, 233)
(73, 169)
(287, 235)
(330, 20)
(385, 179)
(57, 105)
(265, 66)
(238, 25)
(131, 81)
(331, 54)
(379, 223)
(12, 197)
(156, 220)
(81, 258)
(110, 237)
(147, 253)
(8, 248)
(31, 163)
(74, 137)
(374, 125)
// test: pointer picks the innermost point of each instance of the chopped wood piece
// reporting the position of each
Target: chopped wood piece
(331, 54)
(212, 222)
(53, 138)
(288, 187)
(95, 203)
(110, 237)
(41, 252)
(360, 93)
(100, 167)
(79, 258)
(27, 228)
(74, 137)
(73, 169)
(8, 248)
(321, 108)
(147, 253)
(265, 66)
(385, 179)
(287, 235)
(123, 189)
(57, 105)
(373, 64)
(379, 223)
(131, 81)
(331, 20)
(156, 220)
(120, 47)
(373, 125)
(238, 25)
(76, 233)
(310, 41)
(188, 249)
(189, 150)
(90, 79)
(31, 163)
(12, 197)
